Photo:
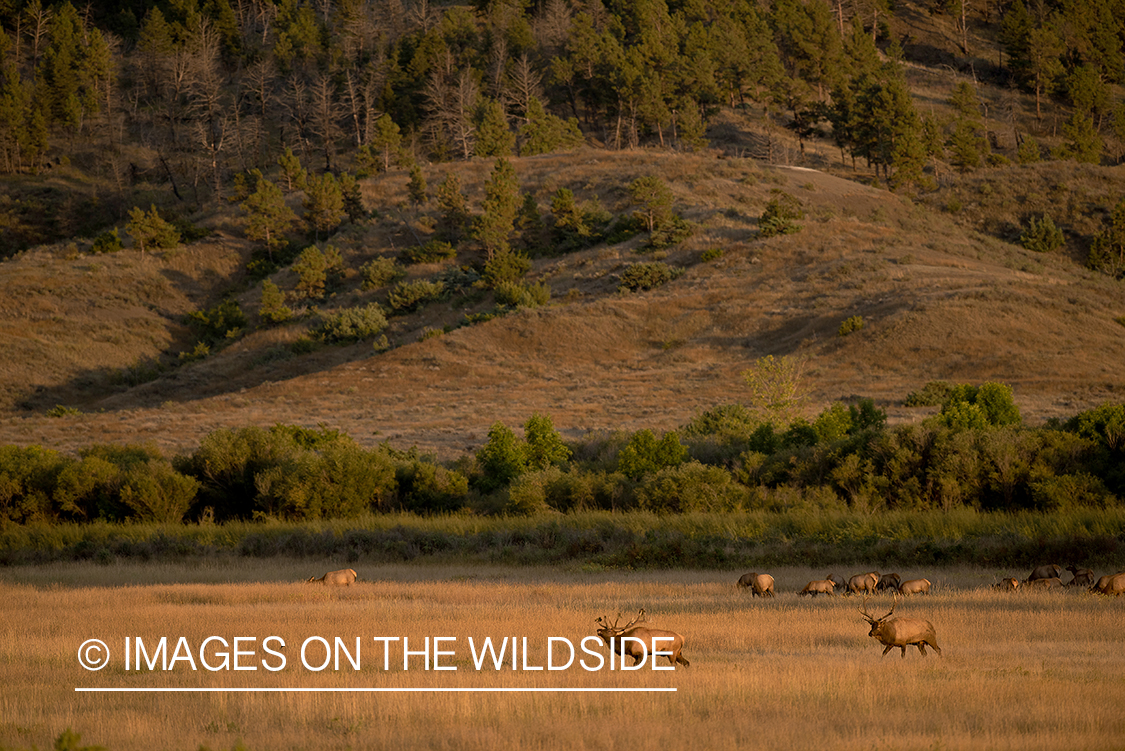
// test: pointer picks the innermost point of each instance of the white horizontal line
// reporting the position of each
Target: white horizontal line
(408, 690)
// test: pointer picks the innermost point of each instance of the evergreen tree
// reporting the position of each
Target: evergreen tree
(268, 216)
(454, 220)
(1107, 253)
(295, 174)
(311, 268)
(500, 206)
(386, 140)
(655, 200)
(1082, 141)
(494, 138)
(416, 188)
(150, 230)
(544, 133)
(324, 204)
(353, 198)
(273, 308)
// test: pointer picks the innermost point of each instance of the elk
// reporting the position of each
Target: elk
(838, 581)
(819, 587)
(901, 632)
(1050, 583)
(343, 577)
(915, 587)
(1053, 570)
(1110, 584)
(1083, 577)
(760, 584)
(865, 582)
(1011, 584)
(888, 581)
(668, 643)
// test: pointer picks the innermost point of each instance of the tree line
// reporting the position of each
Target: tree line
(215, 88)
(974, 453)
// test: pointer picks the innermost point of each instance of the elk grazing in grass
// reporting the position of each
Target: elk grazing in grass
(1050, 571)
(914, 587)
(819, 587)
(1050, 583)
(341, 578)
(838, 580)
(864, 582)
(760, 584)
(1010, 584)
(901, 632)
(628, 640)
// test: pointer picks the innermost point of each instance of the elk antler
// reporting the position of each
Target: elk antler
(893, 606)
(640, 617)
(864, 612)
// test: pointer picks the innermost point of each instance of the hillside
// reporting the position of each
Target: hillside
(939, 298)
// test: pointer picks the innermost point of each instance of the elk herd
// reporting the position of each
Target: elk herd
(638, 641)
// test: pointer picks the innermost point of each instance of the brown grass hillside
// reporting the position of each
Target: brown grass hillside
(940, 299)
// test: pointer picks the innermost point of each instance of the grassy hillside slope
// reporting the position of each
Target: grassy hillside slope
(939, 300)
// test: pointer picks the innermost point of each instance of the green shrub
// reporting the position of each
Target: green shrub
(852, 324)
(353, 324)
(545, 446)
(969, 407)
(28, 478)
(155, 492)
(518, 295)
(644, 276)
(933, 394)
(644, 454)
(505, 266)
(711, 254)
(691, 486)
(429, 488)
(379, 272)
(780, 216)
(501, 460)
(149, 230)
(107, 242)
(273, 308)
(1042, 235)
(223, 321)
(409, 296)
(433, 251)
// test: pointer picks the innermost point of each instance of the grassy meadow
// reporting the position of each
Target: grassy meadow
(1019, 671)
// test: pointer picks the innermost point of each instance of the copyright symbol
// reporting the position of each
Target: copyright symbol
(93, 654)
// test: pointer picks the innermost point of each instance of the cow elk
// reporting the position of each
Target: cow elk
(864, 582)
(1011, 584)
(1110, 584)
(1051, 571)
(819, 587)
(838, 581)
(624, 640)
(1082, 577)
(915, 587)
(901, 632)
(888, 581)
(1050, 583)
(341, 578)
(760, 584)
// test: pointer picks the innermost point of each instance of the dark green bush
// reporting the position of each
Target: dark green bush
(645, 454)
(1042, 235)
(933, 394)
(690, 486)
(780, 216)
(107, 242)
(409, 296)
(223, 321)
(352, 324)
(433, 251)
(424, 487)
(379, 272)
(644, 276)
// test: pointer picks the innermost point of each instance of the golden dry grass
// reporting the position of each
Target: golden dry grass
(1029, 671)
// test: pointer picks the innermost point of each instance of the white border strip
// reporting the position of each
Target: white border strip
(80, 689)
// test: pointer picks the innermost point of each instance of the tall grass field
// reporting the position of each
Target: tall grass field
(1025, 670)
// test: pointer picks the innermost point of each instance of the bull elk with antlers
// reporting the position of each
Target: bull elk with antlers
(634, 640)
(901, 632)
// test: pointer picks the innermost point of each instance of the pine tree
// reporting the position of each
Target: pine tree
(311, 268)
(494, 138)
(324, 204)
(416, 188)
(268, 216)
(454, 220)
(655, 200)
(273, 307)
(1082, 141)
(150, 230)
(295, 174)
(500, 206)
(386, 140)
(544, 133)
